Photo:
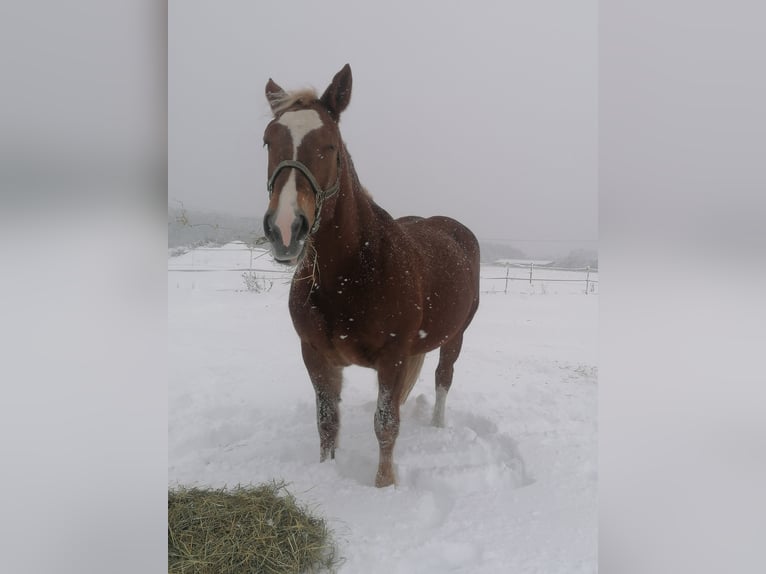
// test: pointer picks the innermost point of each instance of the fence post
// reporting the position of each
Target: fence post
(587, 278)
(531, 265)
(507, 272)
(251, 259)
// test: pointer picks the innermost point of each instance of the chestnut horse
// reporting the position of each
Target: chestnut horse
(368, 289)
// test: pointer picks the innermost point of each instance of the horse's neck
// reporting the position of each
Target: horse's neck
(353, 221)
(353, 215)
(350, 171)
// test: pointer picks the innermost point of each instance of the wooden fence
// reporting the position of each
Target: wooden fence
(544, 274)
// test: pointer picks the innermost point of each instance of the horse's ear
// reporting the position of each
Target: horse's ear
(338, 94)
(274, 94)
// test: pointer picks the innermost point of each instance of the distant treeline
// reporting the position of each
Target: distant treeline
(577, 258)
(194, 228)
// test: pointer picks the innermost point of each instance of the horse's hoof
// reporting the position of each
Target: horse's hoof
(326, 452)
(382, 481)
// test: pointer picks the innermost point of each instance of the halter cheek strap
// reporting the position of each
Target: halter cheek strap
(320, 194)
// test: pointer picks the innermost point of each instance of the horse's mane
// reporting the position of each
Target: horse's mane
(283, 100)
(355, 178)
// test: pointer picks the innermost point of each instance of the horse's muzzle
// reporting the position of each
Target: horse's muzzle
(289, 251)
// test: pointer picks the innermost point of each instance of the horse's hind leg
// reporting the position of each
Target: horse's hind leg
(327, 380)
(448, 354)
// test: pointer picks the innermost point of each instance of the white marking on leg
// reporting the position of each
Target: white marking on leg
(439, 405)
(299, 124)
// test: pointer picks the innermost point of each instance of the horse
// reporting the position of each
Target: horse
(367, 289)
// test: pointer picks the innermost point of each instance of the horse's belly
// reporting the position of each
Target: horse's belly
(443, 318)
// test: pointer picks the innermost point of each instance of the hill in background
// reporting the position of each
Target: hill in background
(491, 252)
(578, 258)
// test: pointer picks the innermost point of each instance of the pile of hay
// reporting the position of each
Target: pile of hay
(245, 529)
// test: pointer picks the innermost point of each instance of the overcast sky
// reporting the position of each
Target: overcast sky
(483, 111)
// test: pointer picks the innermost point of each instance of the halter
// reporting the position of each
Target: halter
(320, 194)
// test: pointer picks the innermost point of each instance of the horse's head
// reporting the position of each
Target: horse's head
(304, 161)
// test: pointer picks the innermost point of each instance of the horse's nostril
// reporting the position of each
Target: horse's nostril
(268, 229)
(302, 223)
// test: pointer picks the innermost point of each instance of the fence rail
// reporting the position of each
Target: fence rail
(532, 273)
(590, 282)
(216, 270)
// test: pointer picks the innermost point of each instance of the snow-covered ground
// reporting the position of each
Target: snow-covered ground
(510, 485)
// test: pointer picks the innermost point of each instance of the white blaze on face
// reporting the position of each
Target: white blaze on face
(299, 123)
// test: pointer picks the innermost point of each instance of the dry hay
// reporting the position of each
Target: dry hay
(253, 529)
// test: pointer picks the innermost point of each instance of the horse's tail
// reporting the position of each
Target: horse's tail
(411, 373)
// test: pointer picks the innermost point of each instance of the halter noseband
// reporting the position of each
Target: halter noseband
(320, 194)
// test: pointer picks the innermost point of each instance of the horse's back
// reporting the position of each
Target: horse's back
(443, 239)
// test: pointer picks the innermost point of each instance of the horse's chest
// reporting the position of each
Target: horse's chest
(340, 325)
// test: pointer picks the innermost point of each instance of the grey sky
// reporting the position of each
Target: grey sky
(484, 111)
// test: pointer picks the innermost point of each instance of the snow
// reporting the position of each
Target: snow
(510, 483)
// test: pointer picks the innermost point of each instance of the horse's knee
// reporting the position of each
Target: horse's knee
(386, 425)
(328, 424)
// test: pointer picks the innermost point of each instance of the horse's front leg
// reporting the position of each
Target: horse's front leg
(390, 378)
(327, 380)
